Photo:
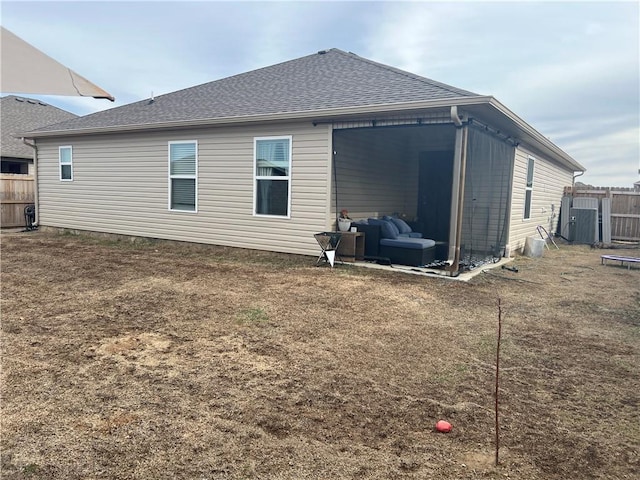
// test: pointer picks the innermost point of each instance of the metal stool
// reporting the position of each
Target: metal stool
(30, 218)
(329, 242)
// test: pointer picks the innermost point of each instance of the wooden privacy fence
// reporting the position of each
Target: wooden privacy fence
(624, 205)
(16, 192)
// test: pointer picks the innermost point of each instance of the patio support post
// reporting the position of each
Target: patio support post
(457, 193)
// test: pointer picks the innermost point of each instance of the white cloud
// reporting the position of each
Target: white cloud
(570, 70)
(613, 159)
(417, 37)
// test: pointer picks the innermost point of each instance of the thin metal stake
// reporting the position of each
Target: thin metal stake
(497, 377)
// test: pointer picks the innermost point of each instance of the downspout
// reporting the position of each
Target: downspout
(335, 186)
(35, 177)
(457, 121)
(463, 169)
(573, 182)
(457, 193)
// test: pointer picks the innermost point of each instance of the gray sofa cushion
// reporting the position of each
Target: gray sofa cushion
(408, 242)
(387, 229)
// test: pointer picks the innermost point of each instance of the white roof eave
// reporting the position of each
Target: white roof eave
(280, 116)
(526, 132)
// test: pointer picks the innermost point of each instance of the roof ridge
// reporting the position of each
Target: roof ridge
(399, 71)
(226, 78)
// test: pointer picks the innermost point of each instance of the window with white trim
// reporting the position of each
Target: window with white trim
(272, 173)
(528, 192)
(183, 176)
(65, 161)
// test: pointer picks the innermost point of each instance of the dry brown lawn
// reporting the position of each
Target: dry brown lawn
(160, 360)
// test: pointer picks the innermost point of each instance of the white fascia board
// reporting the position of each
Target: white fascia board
(283, 116)
(335, 114)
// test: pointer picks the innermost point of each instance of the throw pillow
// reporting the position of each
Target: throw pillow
(387, 229)
(401, 224)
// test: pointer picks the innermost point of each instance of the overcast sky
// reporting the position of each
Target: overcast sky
(569, 69)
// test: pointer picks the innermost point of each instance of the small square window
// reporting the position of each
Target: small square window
(65, 161)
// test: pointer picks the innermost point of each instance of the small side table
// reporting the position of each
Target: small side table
(351, 247)
(329, 243)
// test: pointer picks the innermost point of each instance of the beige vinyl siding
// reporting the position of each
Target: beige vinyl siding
(121, 186)
(372, 173)
(549, 180)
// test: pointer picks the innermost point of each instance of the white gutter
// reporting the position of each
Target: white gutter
(282, 116)
(522, 127)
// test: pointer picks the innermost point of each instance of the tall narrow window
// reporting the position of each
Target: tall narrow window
(528, 190)
(65, 159)
(272, 187)
(183, 176)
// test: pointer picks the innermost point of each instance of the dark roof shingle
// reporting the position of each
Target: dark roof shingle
(328, 79)
(18, 115)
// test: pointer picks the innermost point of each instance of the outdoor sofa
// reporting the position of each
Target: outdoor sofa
(392, 239)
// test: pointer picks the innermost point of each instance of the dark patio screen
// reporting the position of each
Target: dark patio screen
(486, 210)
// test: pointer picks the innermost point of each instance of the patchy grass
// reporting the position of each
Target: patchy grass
(253, 316)
(167, 360)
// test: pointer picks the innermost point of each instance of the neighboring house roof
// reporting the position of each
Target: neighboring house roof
(327, 85)
(18, 114)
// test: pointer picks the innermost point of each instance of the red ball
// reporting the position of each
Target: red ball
(443, 426)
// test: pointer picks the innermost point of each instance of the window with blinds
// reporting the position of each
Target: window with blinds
(183, 176)
(528, 193)
(65, 159)
(272, 185)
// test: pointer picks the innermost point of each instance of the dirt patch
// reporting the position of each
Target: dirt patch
(168, 360)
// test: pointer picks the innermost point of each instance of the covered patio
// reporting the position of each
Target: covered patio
(449, 181)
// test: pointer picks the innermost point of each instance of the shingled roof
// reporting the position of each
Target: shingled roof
(325, 80)
(19, 115)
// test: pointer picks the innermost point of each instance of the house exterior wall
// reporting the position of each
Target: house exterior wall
(120, 185)
(378, 168)
(371, 173)
(549, 180)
